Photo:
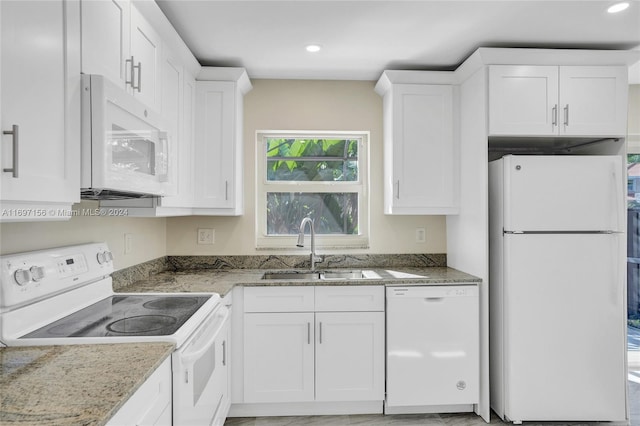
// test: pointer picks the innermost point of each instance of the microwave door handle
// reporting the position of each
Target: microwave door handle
(188, 359)
(164, 144)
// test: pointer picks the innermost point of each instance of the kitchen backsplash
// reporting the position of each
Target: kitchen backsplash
(128, 276)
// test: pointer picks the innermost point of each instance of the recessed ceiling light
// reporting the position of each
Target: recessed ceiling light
(618, 7)
(313, 48)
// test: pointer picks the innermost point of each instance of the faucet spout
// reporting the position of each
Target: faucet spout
(313, 257)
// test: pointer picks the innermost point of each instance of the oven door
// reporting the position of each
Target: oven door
(129, 145)
(200, 373)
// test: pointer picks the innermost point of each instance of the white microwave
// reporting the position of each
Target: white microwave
(126, 150)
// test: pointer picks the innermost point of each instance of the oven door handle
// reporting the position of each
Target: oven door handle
(190, 358)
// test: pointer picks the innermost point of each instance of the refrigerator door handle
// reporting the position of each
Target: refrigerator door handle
(617, 193)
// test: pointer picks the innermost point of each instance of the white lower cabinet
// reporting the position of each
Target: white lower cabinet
(279, 357)
(349, 355)
(315, 356)
(151, 403)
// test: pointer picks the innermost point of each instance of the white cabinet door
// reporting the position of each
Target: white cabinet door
(172, 109)
(349, 356)
(147, 59)
(215, 145)
(552, 100)
(593, 101)
(40, 85)
(279, 357)
(420, 154)
(184, 143)
(106, 39)
(151, 403)
(523, 100)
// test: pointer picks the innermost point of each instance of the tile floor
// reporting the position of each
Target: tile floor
(466, 419)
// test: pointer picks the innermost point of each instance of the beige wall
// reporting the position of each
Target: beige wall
(149, 235)
(309, 105)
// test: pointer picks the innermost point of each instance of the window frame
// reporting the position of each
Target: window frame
(361, 187)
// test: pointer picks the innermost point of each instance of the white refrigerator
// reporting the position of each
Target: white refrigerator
(557, 288)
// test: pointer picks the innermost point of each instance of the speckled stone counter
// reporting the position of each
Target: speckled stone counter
(222, 281)
(73, 384)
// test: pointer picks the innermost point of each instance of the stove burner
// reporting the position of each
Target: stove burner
(171, 303)
(141, 324)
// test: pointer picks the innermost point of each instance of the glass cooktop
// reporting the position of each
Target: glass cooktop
(125, 315)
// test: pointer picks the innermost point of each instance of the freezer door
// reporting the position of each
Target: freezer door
(564, 328)
(563, 193)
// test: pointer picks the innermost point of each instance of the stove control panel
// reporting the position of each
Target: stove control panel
(27, 277)
(71, 265)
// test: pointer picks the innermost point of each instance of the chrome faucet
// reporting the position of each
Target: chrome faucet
(313, 258)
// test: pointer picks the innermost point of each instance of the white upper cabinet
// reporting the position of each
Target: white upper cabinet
(593, 101)
(557, 101)
(40, 112)
(119, 43)
(218, 149)
(146, 60)
(106, 35)
(420, 153)
(183, 139)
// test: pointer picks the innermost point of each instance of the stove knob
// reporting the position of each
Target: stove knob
(37, 273)
(22, 276)
(101, 258)
(108, 256)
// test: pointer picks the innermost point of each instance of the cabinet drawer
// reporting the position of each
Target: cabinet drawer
(278, 299)
(349, 298)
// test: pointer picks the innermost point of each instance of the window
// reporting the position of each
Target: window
(316, 174)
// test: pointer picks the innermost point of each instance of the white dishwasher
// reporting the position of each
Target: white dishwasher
(432, 348)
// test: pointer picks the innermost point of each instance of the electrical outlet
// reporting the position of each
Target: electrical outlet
(128, 243)
(206, 236)
(421, 235)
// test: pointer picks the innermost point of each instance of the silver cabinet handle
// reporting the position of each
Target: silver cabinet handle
(554, 115)
(131, 72)
(224, 352)
(308, 333)
(320, 333)
(226, 190)
(139, 86)
(14, 132)
(398, 191)
(566, 115)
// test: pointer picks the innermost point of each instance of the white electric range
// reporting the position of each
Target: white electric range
(64, 296)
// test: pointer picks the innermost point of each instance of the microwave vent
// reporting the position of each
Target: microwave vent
(107, 194)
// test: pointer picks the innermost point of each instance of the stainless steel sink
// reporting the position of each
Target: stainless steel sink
(291, 275)
(348, 275)
(321, 275)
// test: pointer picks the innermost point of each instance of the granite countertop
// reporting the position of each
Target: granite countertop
(223, 281)
(73, 384)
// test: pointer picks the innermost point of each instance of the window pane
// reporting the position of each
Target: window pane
(333, 213)
(307, 160)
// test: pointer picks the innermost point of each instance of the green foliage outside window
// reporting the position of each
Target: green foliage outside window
(312, 160)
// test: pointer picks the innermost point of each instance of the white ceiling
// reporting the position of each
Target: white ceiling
(362, 38)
